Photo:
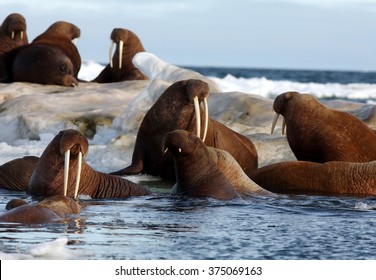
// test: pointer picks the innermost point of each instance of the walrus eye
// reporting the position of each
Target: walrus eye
(63, 68)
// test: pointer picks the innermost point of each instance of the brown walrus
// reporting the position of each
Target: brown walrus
(43, 64)
(199, 165)
(15, 174)
(173, 110)
(56, 171)
(50, 209)
(196, 173)
(121, 67)
(60, 35)
(12, 33)
(330, 178)
(319, 134)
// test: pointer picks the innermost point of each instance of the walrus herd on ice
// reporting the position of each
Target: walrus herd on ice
(177, 140)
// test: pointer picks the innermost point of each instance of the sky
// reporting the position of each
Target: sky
(283, 34)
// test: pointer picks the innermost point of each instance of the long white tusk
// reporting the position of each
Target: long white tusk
(121, 45)
(283, 126)
(66, 171)
(12, 35)
(22, 35)
(198, 116)
(274, 122)
(206, 108)
(111, 48)
(79, 165)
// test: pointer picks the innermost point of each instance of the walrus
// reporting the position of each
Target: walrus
(43, 64)
(121, 67)
(50, 209)
(182, 144)
(13, 33)
(319, 134)
(15, 174)
(196, 173)
(312, 178)
(175, 109)
(59, 172)
(60, 35)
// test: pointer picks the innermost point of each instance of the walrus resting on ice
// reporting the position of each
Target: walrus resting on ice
(61, 169)
(330, 178)
(178, 108)
(50, 209)
(12, 33)
(319, 134)
(121, 67)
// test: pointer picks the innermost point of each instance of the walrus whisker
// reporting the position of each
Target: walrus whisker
(121, 45)
(111, 49)
(66, 171)
(276, 116)
(78, 174)
(198, 116)
(206, 109)
(283, 126)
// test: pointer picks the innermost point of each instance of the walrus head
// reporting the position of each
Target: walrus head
(180, 143)
(15, 27)
(61, 205)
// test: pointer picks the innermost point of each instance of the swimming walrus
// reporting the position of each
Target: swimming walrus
(312, 178)
(61, 169)
(196, 173)
(175, 109)
(319, 134)
(50, 209)
(197, 164)
(15, 174)
(121, 67)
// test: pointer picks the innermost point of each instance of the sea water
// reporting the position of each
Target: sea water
(162, 226)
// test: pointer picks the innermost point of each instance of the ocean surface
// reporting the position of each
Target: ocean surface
(162, 226)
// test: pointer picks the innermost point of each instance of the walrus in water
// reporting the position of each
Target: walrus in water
(178, 108)
(50, 209)
(194, 166)
(61, 169)
(319, 134)
(330, 178)
(12, 35)
(121, 67)
(15, 174)
(196, 173)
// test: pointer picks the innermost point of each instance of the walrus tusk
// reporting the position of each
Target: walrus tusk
(12, 35)
(206, 119)
(111, 49)
(198, 116)
(66, 171)
(179, 150)
(283, 126)
(165, 150)
(78, 174)
(74, 41)
(121, 44)
(276, 116)
(22, 35)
